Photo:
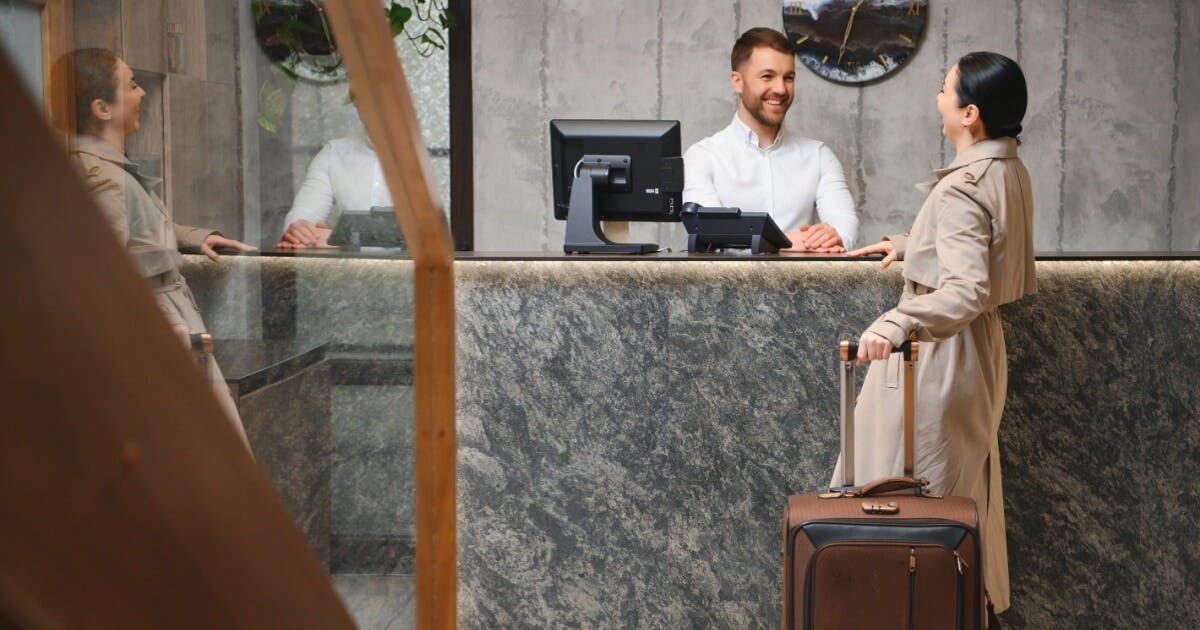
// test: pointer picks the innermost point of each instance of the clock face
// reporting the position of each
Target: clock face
(855, 41)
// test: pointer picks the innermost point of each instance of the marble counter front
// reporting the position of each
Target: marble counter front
(628, 430)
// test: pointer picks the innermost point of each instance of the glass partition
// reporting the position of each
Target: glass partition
(205, 130)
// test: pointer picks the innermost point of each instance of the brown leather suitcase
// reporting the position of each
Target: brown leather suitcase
(888, 555)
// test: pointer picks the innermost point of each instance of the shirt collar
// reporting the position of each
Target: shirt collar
(743, 130)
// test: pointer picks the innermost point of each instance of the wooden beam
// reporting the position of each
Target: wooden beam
(56, 42)
(385, 104)
(128, 499)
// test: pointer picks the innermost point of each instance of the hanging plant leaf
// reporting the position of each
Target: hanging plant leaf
(398, 16)
(296, 37)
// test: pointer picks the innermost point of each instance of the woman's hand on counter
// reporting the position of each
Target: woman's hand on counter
(303, 233)
(882, 247)
(873, 347)
(214, 241)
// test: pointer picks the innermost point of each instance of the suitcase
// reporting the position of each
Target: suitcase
(888, 555)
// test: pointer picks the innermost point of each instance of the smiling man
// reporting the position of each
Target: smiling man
(753, 164)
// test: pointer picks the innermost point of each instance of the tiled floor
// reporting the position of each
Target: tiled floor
(378, 602)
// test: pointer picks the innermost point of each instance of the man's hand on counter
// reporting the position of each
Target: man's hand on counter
(303, 233)
(215, 241)
(819, 238)
(882, 247)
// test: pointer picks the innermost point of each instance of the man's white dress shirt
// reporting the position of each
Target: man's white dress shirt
(796, 180)
(345, 173)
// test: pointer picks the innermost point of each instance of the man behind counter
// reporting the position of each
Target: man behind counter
(753, 164)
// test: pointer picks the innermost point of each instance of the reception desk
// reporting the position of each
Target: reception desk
(629, 428)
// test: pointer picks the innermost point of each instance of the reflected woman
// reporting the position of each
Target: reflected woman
(970, 250)
(107, 111)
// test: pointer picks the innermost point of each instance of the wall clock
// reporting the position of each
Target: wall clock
(855, 41)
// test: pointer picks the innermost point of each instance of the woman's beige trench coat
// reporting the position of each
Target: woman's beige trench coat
(970, 250)
(144, 226)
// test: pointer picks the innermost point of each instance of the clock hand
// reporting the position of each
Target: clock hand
(846, 36)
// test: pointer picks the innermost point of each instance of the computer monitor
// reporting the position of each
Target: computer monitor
(614, 170)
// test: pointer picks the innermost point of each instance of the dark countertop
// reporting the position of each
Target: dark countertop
(379, 253)
(251, 364)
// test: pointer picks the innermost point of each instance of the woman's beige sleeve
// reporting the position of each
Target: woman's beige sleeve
(963, 241)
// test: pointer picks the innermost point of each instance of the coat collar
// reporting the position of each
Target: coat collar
(101, 149)
(94, 146)
(990, 149)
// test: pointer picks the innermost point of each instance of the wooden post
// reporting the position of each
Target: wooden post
(128, 499)
(385, 105)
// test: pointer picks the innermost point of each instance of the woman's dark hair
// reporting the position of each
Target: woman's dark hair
(92, 74)
(995, 84)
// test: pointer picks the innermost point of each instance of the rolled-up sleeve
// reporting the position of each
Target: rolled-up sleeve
(963, 244)
(314, 200)
(835, 206)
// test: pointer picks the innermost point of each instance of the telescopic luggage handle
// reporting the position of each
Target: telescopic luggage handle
(849, 350)
(848, 353)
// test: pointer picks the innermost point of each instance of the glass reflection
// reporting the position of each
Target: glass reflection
(236, 117)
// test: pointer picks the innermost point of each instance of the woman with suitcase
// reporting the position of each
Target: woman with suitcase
(970, 250)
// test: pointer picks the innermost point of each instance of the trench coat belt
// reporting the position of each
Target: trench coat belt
(166, 281)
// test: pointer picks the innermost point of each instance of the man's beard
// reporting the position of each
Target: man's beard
(755, 107)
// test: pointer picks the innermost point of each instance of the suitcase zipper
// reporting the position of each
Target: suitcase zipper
(912, 587)
(958, 584)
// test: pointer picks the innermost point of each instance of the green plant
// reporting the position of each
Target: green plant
(295, 35)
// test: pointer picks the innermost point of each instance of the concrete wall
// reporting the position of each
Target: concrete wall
(1113, 146)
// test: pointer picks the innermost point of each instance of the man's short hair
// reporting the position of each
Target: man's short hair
(754, 38)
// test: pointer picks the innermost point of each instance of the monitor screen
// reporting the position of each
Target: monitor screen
(653, 190)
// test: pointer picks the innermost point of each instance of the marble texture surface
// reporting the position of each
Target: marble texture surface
(362, 310)
(373, 479)
(287, 423)
(379, 602)
(628, 433)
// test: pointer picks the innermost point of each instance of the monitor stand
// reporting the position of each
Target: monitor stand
(584, 235)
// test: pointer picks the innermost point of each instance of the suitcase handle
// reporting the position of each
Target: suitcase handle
(893, 484)
(201, 342)
(848, 351)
